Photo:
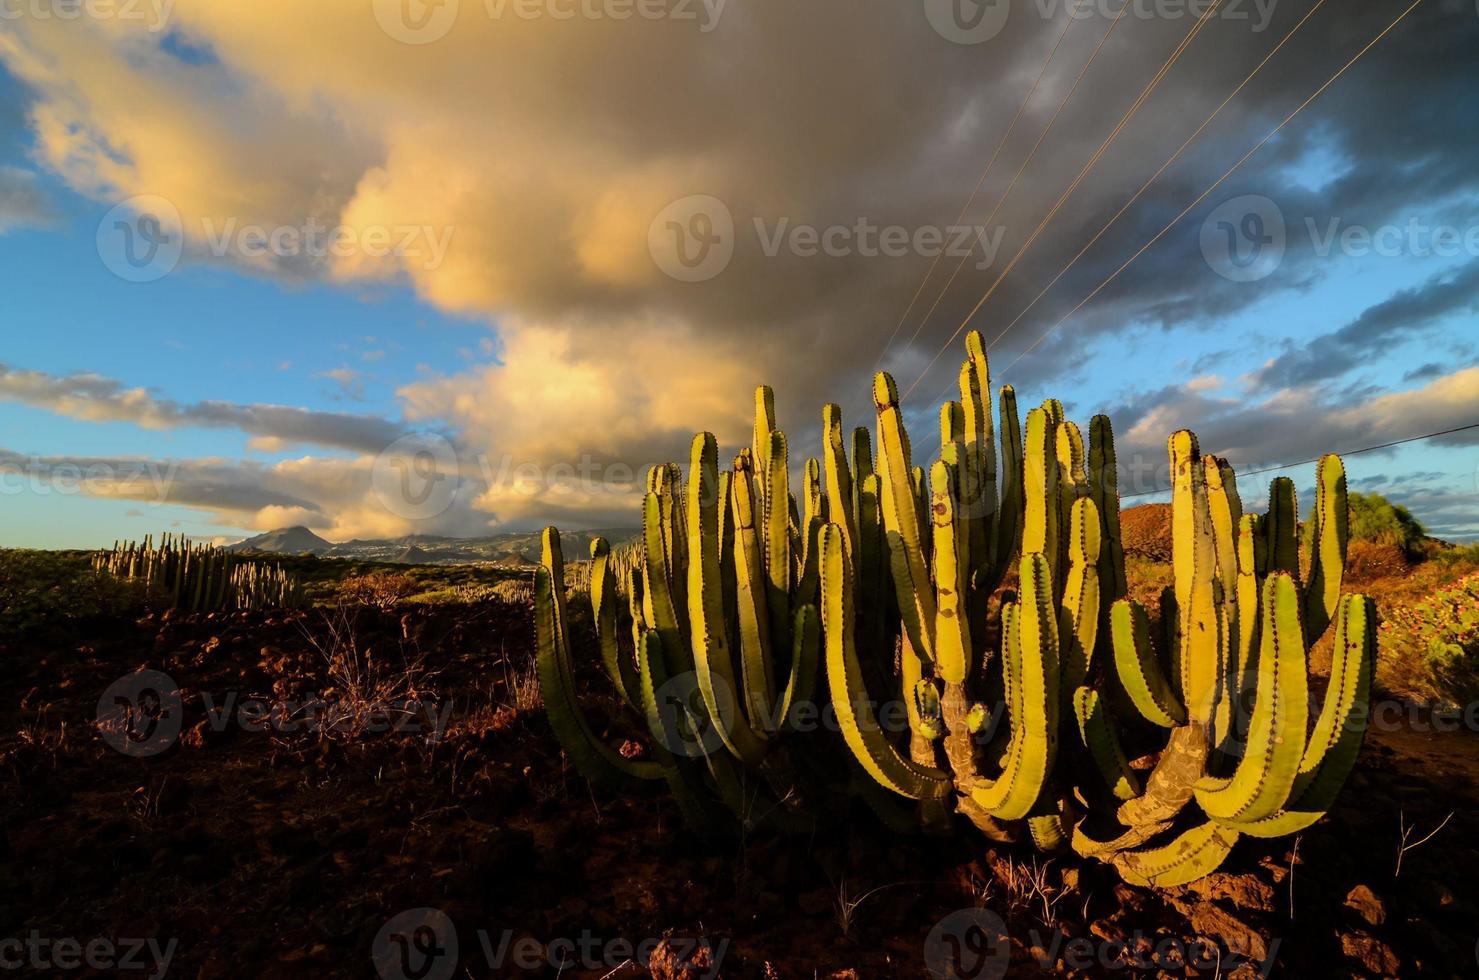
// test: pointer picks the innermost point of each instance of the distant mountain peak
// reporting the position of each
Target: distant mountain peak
(285, 541)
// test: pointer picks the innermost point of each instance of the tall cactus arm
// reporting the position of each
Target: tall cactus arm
(862, 461)
(920, 484)
(1104, 489)
(978, 474)
(1282, 527)
(1078, 625)
(726, 518)
(1328, 550)
(1247, 630)
(676, 535)
(760, 439)
(595, 760)
(1097, 730)
(841, 498)
(923, 730)
(952, 628)
(910, 617)
(1072, 484)
(752, 612)
(1139, 670)
(1261, 784)
(1034, 742)
(1007, 536)
(659, 607)
(872, 567)
(1041, 500)
(1186, 474)
(711, 655)
(901, 515)
(813, 496)
(1225, 511)
(1198, 594)
(855, 715)
(1192, 855)
(779, 564)
(1336, 740)
(952, 423)
(682, 775)
(636, 602)
(621, 670)
(801, 685)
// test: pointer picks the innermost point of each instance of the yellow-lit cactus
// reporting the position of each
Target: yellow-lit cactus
(874, 590)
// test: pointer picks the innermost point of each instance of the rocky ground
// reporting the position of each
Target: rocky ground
(264, 848)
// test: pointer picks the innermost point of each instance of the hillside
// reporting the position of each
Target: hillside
(515, 549)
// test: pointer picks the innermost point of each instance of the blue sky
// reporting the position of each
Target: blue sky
(552, 333)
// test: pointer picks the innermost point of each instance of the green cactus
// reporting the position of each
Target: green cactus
(1285, 777)
(881, 577)
(199, 578)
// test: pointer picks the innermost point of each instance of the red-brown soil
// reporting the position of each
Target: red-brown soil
(273, 854)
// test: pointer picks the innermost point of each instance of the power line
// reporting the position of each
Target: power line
(1155, 176)
(971, 200)
(1316, 459)
(1088, 167)
(1164, 167)
(1218, 182)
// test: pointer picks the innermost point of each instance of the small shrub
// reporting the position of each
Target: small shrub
(368, 692)
(383, 590)
(1430, 648)
(1457, 555)
(1367, 561)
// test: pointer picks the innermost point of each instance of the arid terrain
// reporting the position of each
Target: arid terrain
(340, 765)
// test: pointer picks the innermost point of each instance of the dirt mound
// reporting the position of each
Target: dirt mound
(1146, 531)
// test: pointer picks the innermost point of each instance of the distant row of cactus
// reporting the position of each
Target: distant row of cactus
(755, 611)
(200, 577)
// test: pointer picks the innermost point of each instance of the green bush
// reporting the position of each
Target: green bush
(1375, 518)
(1430, 649)
(1457, 555)
(41, 588)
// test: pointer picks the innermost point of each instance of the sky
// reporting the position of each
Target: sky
(387, 267)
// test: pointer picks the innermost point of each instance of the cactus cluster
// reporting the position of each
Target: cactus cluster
(199, 577)
(986, 599)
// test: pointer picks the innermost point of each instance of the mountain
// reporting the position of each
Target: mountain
(413, 555)
(513, 549)
(285, 541)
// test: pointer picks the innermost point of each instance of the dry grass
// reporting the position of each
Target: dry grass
(367, 692)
